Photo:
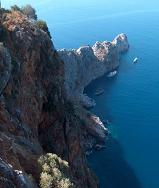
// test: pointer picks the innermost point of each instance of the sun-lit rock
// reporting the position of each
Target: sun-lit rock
(88, 63)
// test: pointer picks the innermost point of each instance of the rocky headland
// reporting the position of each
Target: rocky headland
(85, 64)
(38, 111)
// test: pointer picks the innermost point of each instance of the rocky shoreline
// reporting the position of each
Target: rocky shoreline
(41, 102)
(85, 64)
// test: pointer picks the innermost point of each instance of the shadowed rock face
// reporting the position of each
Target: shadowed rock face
(88, 63)
(11, 178)
(34, 115)
(5, 67)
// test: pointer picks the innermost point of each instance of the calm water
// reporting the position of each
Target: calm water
(131, 100)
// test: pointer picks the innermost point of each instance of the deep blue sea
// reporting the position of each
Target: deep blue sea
(131, 99)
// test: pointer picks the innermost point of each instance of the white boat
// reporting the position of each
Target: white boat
(135, 60)
(111, 74)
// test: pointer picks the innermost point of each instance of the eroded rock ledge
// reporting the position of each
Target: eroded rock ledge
(88, 63)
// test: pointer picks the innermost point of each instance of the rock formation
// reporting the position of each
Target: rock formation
(36, 116)
(88, 63)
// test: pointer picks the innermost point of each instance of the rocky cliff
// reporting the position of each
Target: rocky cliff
(88, 63)
(36, 114)
(35, 117)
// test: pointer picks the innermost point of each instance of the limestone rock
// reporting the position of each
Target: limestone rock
(88, 63)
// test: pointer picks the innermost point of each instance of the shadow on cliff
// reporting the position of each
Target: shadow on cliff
(113, 170)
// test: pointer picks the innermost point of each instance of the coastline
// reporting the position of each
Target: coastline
(83, 66)
(113, 161)
(37, 117)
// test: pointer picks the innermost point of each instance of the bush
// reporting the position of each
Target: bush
(55, 172)
(43, 25)
(29, 11)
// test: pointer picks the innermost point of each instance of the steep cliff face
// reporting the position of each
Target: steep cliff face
(35, 117)
(88, 63)
(40, 95)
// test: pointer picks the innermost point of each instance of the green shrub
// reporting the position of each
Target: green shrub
(55, 172)
(43, 25)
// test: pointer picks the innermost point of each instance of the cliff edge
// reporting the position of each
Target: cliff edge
(88, 63)
(35, 116)
(43, 133)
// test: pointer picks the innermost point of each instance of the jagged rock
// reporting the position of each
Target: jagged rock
(10, 178)
(98, 128)
(93, 125)
(87, 101)
(35, 117)
(88, 63)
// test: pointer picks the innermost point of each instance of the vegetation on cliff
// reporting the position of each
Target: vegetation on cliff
(55, 172)
(43, 25)
(30, 12)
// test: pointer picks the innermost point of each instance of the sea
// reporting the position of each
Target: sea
(131, 98)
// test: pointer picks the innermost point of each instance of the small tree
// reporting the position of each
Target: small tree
(43, 25)
(29, 11)
(55, 172)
